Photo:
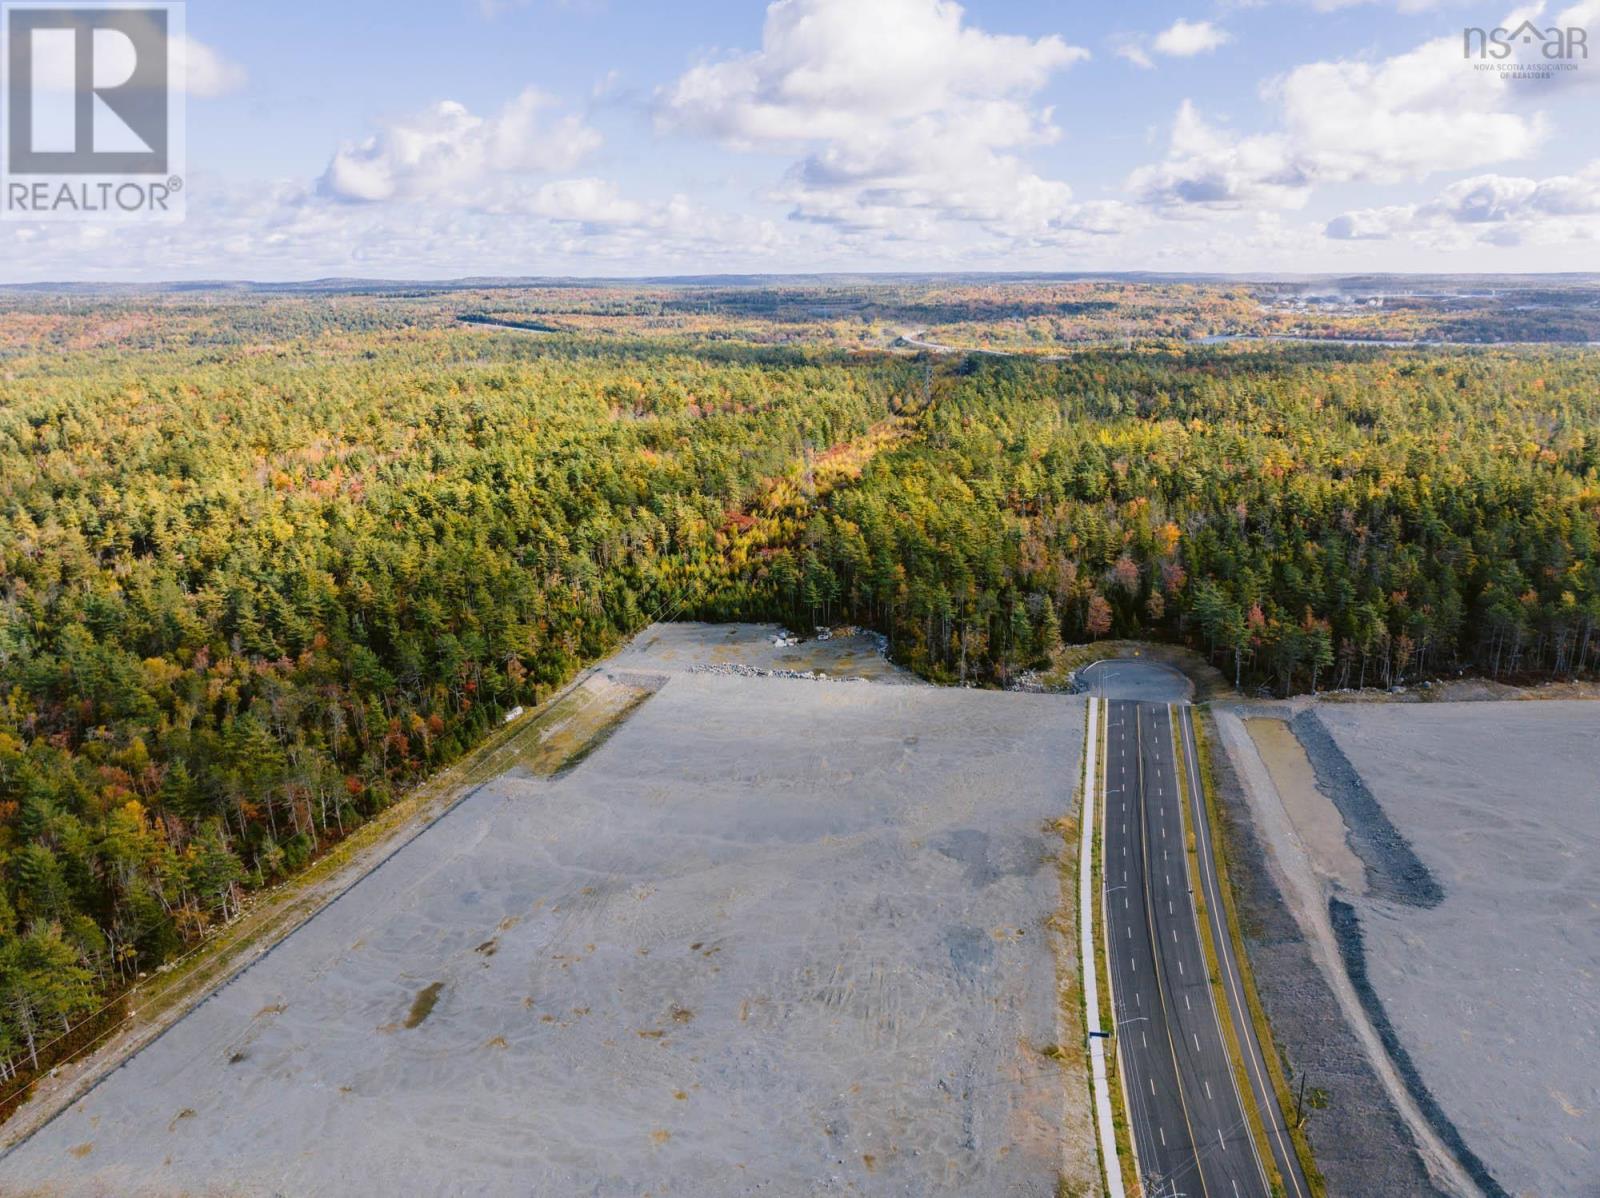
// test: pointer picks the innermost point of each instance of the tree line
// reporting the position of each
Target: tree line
(245, 601)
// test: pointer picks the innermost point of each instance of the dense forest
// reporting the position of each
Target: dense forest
(1307, 519)
(265, 563)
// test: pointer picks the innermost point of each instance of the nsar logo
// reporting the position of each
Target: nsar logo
(1526, 52)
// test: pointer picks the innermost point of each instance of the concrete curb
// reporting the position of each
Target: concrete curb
(1091, 992)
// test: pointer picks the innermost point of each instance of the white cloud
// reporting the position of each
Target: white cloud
(827, 68)
(1370, 224)
(903, 114)
(1209, 168)
(287, 230)
(1181, 39)
(585, 201)
(1402, 118)
(204, 70)
(1185, 39)
(1500, 209)
(1133, 50)
(447, 149)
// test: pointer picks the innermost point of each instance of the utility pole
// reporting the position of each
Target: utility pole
(1300, 1104)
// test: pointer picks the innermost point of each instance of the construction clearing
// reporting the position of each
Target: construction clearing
(756, 935)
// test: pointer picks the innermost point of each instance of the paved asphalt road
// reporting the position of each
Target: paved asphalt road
(1135, 678)
(1190, 1132)
(1255, 1067)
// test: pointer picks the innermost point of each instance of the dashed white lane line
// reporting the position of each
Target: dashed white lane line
(1196, 1036)
(1208, 1087)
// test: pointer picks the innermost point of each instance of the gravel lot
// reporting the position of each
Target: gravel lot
(774, 936)
(1494, 993)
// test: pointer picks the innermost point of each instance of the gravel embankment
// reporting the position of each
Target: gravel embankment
(1394, 871)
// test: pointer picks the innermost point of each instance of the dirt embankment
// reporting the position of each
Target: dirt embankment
(1315, 818)
(1361, 1142)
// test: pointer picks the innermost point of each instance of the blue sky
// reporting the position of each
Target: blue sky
(396, 138)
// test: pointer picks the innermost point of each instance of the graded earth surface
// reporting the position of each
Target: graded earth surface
(773, 936)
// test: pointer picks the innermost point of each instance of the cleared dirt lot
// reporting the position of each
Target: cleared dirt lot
(772, 937)
(678, 648)
(1494, 993)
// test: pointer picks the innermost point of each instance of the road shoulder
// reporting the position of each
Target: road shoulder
(1260, 1106)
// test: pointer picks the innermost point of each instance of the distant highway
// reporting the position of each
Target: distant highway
(1190, 1133)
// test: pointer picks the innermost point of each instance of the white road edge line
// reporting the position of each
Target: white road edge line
(1207, 886)
(1111, 1163)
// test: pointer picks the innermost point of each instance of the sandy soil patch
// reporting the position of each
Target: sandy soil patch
(1316, 820)
(771, 937)
(573, 726)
